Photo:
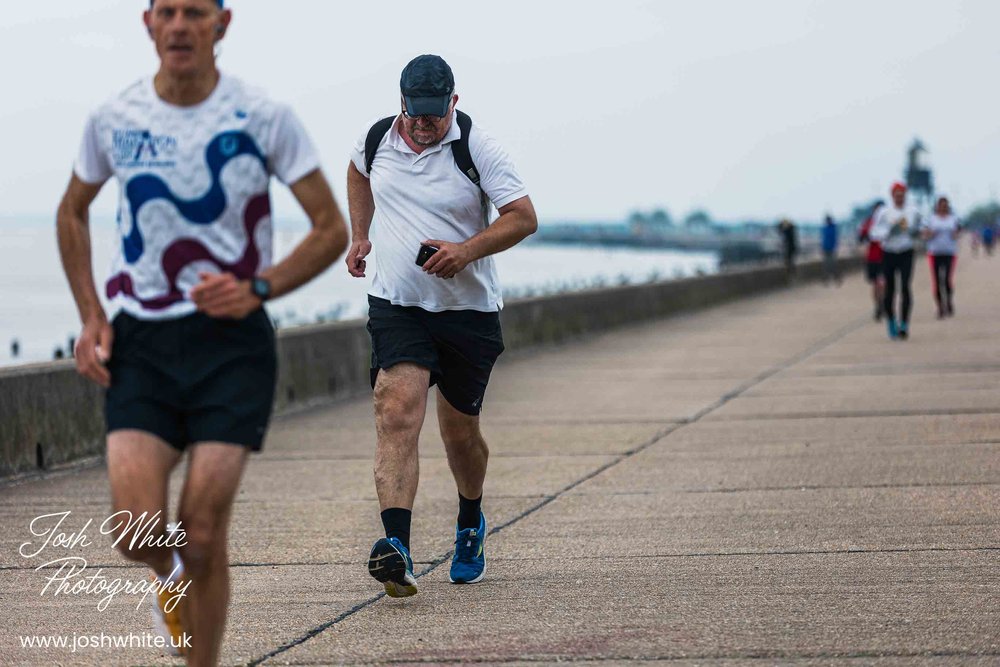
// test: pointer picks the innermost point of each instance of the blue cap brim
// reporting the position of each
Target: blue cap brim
(427, 106)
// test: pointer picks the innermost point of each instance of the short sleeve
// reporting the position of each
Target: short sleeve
(92, 164)
(291, 153)
(497, 176)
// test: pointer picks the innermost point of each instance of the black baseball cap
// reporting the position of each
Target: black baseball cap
(427, 85)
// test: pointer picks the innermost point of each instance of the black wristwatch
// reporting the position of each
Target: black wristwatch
(261, 288)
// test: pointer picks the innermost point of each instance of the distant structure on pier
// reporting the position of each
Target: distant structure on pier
(919, 178)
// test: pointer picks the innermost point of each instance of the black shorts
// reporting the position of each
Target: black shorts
(872, 271)
(193, 379)
(459, 347)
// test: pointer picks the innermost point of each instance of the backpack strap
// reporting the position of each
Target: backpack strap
(460, 149)
(374, 138)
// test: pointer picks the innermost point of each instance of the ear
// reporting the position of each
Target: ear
(147, 18)
(225, 17)
(454, 99)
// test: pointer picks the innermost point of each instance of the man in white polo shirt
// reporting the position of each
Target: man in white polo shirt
(422, 183)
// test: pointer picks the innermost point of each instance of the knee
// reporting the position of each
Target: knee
(396, 412)
(464, 436)
(204, 545)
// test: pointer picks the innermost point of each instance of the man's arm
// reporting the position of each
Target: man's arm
(222, 295)
(361, 205)
(517, 221)
(93, 348)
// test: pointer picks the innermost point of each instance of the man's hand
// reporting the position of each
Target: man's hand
(222, 295)
(93, 350)
(449, 260)
(356, 257)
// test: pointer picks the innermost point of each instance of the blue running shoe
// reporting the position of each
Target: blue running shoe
(904, 331)
(391, 564)
(893, 328)
(469, 562)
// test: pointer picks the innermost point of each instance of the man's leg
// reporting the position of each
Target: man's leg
(905, 282)
(466, 449)
(467, 458)
(889, 273)
(214, 473)
(139, 466)
(400, 404)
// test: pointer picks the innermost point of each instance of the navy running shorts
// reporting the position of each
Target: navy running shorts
(458, 347)
(193, 379)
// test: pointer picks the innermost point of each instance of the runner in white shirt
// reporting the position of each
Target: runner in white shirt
(433, 307)
(189, 360)
(895, 227)
(941, 233)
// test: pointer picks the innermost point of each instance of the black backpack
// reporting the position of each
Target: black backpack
(460, 148)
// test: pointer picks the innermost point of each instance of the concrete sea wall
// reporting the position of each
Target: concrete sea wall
(50, 416)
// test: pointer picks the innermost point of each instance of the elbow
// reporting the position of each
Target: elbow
(529, 222)
(531, 225)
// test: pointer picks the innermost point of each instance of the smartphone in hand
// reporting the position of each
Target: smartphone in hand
(425, 254)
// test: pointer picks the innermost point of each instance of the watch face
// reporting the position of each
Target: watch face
(261, 288)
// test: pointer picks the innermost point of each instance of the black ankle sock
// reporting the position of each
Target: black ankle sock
(396, 521)
(468, 512)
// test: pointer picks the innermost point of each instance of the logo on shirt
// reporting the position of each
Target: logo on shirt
(142, 148)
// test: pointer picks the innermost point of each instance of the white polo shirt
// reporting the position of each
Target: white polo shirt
(425, 196)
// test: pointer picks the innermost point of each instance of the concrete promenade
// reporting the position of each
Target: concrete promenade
(767, 482)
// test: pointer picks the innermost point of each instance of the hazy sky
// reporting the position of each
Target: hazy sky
(750, 109)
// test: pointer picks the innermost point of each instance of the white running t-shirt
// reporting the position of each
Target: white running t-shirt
(193, 187)
(895, 239)
(942, 228)
(425, 196)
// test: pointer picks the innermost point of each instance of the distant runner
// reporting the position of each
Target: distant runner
(873, 261)
(895, 227)
(941, 233)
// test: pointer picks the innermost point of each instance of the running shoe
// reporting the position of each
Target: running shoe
(904, 331)
(469, 562)
(390, 563)
(892, 327)
(169, 624)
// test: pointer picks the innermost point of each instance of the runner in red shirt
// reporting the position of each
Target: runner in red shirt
(873, 261)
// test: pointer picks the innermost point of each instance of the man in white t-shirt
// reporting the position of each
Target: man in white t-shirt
(896, 226)
(421, 182)
(941, 233)
(189, 360)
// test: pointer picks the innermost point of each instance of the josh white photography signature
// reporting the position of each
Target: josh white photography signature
(71, 575)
